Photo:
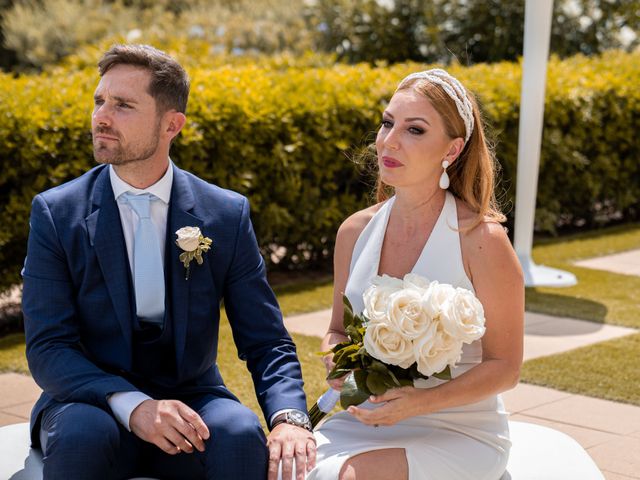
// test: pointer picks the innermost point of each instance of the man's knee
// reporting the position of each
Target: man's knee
(79, 427)
(237, 424)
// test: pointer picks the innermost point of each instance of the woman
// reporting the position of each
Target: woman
(442, 223)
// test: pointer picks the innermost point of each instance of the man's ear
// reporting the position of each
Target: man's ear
(172, 123)
(455, 149)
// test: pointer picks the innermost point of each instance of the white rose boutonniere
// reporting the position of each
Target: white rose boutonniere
(194, 244)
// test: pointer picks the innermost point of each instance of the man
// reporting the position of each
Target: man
(122, 330)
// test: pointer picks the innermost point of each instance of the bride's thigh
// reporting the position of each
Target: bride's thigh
(376, 465)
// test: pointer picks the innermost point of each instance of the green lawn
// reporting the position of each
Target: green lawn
(599, 296)
(606, 370)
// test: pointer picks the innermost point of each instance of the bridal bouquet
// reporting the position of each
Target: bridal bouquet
(409, 329)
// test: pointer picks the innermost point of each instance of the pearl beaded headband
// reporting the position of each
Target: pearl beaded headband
(453, 88)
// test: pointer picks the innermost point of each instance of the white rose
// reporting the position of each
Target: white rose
(435, 350)
(415, 281)
(385, 343)
(405, 311)
(377, 295)
(437, 298)
(188, 238)
(463, 316)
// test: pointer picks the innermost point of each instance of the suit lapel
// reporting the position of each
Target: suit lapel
(181, 203)
(105, 234)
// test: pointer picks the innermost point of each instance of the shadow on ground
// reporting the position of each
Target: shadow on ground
(559, 305)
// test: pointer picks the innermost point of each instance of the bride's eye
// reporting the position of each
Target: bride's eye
(416, 130)
(386, 124)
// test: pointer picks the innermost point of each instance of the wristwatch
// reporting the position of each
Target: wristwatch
(293, 417)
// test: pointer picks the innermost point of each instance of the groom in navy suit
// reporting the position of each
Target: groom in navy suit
(122, 335)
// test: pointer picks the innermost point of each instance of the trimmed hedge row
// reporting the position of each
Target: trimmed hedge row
(284, 135)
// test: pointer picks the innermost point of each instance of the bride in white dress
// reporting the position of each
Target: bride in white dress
(441, 222)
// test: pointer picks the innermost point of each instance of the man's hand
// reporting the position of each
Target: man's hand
(170, 425)
(287, 442)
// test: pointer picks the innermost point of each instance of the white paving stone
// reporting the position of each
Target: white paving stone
(627, 263)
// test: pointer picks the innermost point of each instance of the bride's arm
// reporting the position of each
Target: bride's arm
(346, 238)
(497, 279)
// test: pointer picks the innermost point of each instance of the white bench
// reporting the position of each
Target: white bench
(542, 453)
(18, 461)
(538, 453)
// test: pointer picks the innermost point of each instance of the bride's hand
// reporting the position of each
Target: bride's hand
(336, 383)
(399, 403)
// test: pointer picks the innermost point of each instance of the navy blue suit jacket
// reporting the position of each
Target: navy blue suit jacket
(77, 298)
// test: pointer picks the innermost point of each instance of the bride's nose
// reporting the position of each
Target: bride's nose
(391, 140)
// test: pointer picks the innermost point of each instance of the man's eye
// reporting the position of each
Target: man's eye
(124, 105)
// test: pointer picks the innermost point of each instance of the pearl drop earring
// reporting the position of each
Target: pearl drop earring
(444, 178)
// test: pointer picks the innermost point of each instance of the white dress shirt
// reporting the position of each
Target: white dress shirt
(123, 403)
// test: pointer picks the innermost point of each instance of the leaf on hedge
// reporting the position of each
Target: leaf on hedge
(354, 390)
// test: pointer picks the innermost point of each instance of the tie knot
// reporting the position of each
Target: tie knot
(139, 203)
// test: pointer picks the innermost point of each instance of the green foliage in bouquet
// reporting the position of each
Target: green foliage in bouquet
(366, 375)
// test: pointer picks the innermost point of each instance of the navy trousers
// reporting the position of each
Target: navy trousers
(85, 442)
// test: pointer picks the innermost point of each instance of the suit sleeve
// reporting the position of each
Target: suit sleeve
(54, 348)
(257, 326)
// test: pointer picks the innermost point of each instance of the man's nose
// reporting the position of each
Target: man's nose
(101, 115)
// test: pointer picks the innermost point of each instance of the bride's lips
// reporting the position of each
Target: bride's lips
(391, 162)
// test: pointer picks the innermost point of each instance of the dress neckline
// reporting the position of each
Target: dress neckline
(442, 217)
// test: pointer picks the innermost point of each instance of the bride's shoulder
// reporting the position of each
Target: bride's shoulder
(353, 226)
(485, 234)
(355, 223)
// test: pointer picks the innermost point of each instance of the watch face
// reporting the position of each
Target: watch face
(298, 417)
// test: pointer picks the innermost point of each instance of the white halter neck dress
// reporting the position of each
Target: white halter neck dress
(470, 442)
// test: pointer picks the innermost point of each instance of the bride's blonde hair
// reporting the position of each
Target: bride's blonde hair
(472, 176)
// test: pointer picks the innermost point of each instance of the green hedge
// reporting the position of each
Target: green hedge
(283, 135)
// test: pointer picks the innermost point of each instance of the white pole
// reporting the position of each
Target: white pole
(537, 32)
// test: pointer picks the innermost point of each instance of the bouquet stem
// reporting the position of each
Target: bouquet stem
(323, 406)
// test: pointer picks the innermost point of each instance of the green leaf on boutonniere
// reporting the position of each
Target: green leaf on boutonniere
(354, 390)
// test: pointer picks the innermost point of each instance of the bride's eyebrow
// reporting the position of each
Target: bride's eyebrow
(413, 119)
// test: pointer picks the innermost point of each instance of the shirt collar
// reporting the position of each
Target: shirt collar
(161, 189)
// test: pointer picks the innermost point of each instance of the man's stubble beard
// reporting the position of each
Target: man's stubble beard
(123, 156)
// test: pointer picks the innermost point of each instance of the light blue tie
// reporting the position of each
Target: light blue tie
(148, 272)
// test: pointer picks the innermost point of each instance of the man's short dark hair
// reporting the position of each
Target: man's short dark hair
(169, 84)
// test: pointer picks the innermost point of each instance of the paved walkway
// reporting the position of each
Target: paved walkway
(627, 263)
(609, 431)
